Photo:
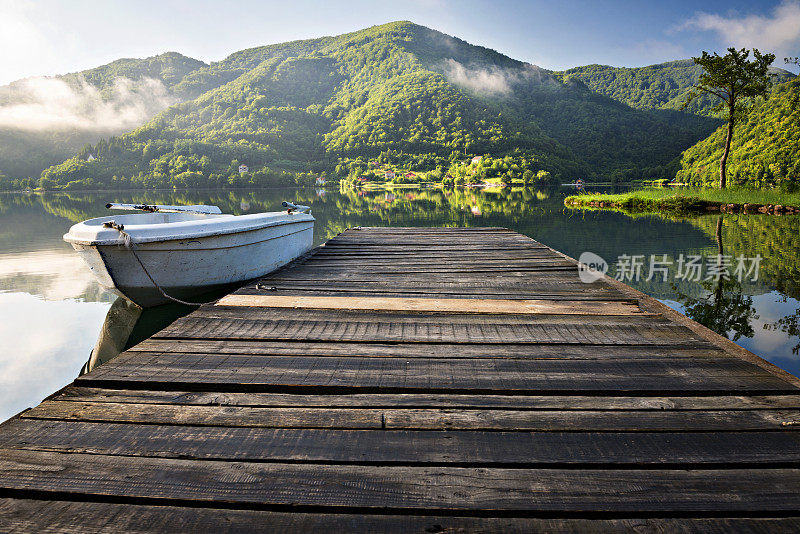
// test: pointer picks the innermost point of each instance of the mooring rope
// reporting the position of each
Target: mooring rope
(128, 242)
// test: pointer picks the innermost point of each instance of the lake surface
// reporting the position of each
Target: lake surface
(52, 310)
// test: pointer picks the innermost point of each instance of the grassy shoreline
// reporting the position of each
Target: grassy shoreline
(690, 200)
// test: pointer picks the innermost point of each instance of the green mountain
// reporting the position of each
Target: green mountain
(400, 94)
(662, 86)
(46, 120)
(170, 68)
(765, 149)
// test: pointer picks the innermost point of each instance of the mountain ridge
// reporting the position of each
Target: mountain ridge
(409, 94)
(648, 88)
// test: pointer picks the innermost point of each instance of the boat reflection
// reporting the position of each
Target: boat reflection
(126, 325)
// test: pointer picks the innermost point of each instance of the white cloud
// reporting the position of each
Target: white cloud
(37, 104)
(778, 32)
(490, 80)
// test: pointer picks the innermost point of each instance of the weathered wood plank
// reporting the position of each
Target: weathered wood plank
(402, 447)
(549, 293)
(476, 268)
(235, 313)
(475, 264)
(433, 270)
(417, 418)
(425, 331)
(399, 260)
(556, 280)
(455, 248)
(552, 284)
(394, 488)
(418, 400)
(20, 515)
(423, 350)
(486, 306)
(391, 375)
(450, 230)
(446, 276)
(460, 369)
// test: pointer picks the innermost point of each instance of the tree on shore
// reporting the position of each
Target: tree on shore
(734, 80)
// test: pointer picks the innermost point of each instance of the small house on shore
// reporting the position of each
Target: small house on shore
(243, 168)
(389, 175)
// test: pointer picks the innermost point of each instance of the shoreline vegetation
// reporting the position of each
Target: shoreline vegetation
(688, 201)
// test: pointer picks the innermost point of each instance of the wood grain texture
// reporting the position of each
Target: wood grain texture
(486, 375)
(408, 447)
(425, 330)
(539, 351)
(483, 306)
(424, 400)
(19, 515)
(418, 418)
(373, 489)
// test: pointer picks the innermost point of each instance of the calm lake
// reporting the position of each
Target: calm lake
(52, 310)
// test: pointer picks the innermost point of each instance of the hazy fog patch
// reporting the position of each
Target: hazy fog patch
(482, 80)
(42, 104)
(492, 80)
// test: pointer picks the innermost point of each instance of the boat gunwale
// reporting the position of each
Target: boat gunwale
(206, 233)
(119, 244)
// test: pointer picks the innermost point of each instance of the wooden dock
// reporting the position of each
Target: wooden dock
(416, 380)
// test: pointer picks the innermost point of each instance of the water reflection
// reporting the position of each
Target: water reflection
(50, 274)
(790, 325)
(44, 342)
(51, 309)
(724, 308)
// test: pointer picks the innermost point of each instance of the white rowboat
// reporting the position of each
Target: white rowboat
(187, 250)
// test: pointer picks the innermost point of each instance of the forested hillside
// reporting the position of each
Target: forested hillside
(397, 94)
(46, 120)
(765, 150)
(661, 86)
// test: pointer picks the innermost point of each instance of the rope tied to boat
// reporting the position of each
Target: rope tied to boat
(127, 241)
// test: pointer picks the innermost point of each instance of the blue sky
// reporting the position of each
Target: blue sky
(45, 37)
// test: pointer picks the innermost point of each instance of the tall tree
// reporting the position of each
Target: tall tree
(733, 79)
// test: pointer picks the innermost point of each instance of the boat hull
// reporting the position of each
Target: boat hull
(187, 267)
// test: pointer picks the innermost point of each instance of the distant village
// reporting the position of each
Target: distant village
(394, 175)
(473, 171)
